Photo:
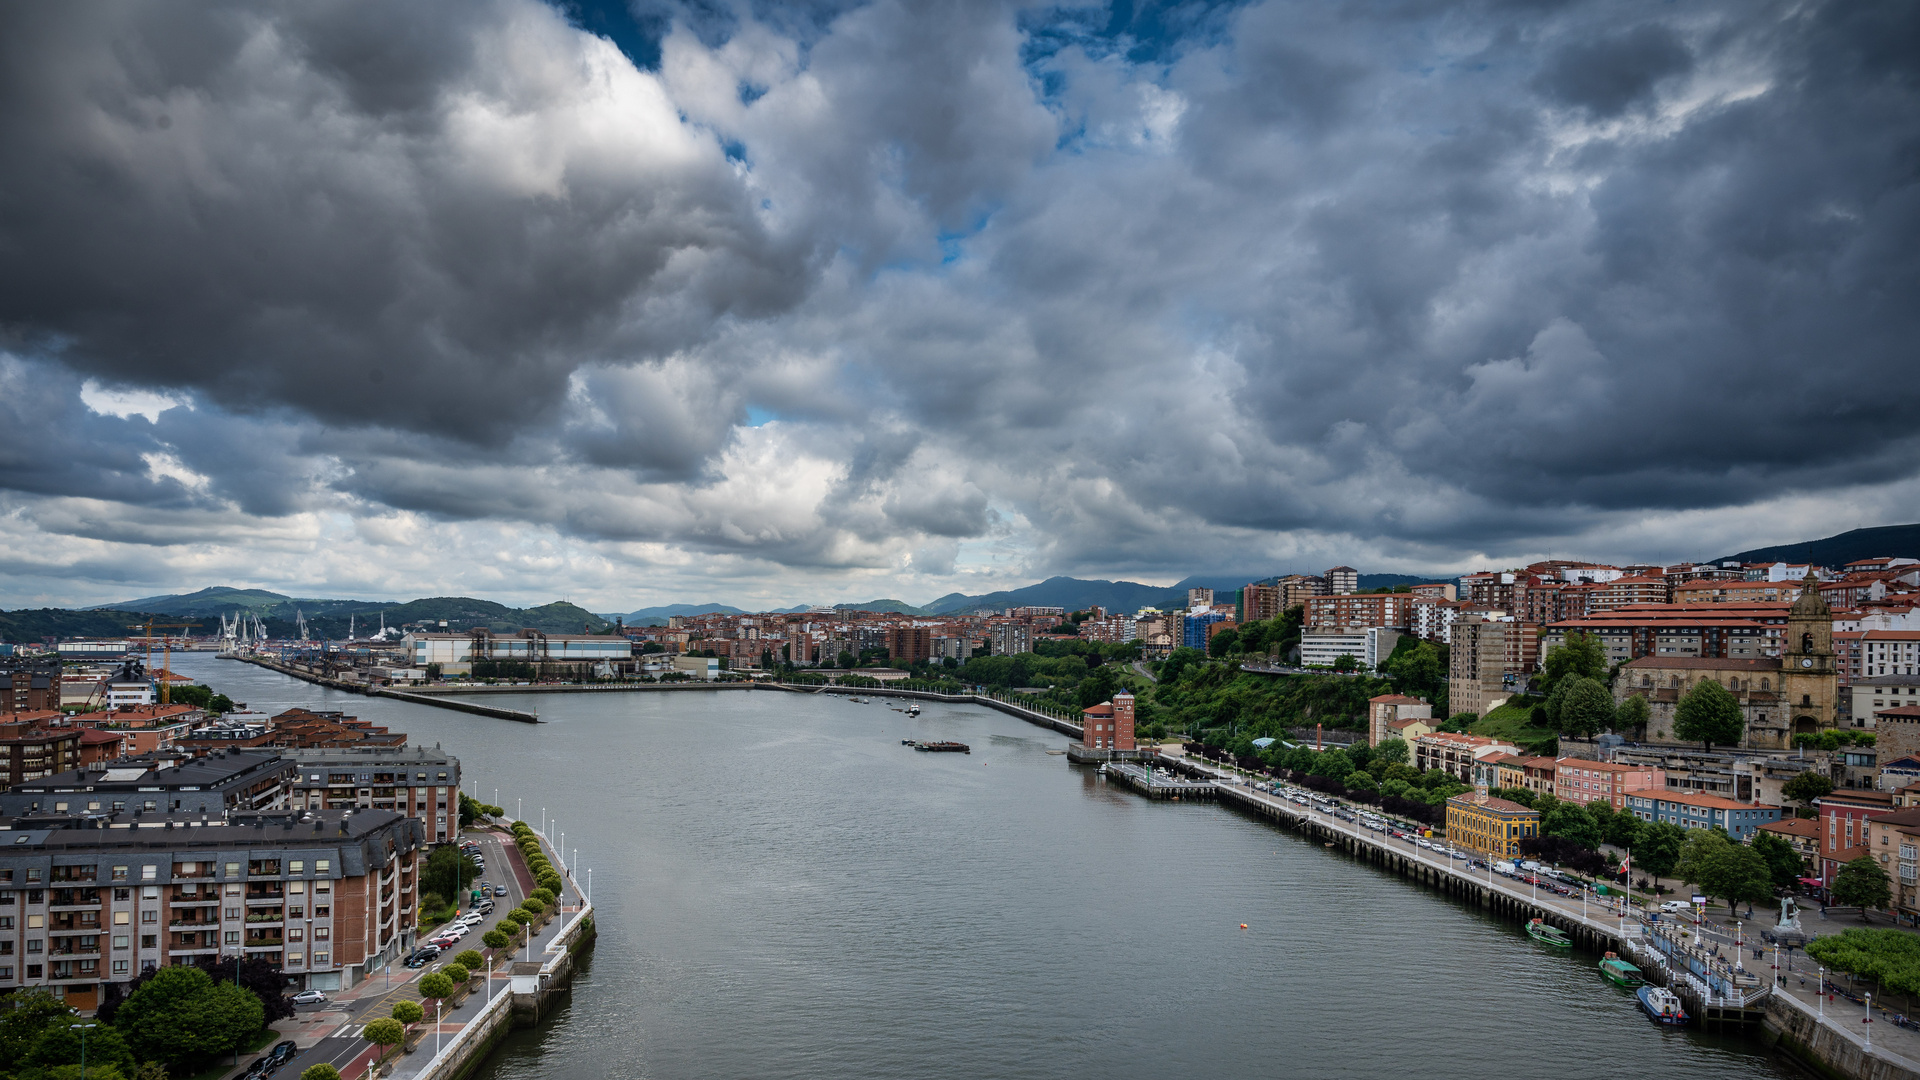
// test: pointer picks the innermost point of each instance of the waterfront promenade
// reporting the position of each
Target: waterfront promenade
(331, 1033)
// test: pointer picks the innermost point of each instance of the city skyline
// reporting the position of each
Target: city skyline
(641, 304)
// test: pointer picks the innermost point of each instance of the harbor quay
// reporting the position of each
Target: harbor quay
(1707, 969)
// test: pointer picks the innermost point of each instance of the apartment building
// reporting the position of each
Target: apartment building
(1457, 754)
(1385, 710)
(1260, 602)
(412, 781)
(1342, 580)
(1582, 781)
(1341, 612)
(222, 782)
(1483, 662)
(909, 644)
(29, 685)
(84, 901)
(1369, 646)
(30, 748)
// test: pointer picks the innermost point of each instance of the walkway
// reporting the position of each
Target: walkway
(331, 1033)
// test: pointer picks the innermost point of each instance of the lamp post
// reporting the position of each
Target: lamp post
(436, 1027)
(1823, 993)
(83, 1029)
(1866, 996)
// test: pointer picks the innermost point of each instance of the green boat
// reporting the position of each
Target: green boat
(1548, 935)
(1620, 972)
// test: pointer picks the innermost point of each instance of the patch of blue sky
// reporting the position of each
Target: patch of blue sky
(637, 27)
(759, 417)
(1148, 32)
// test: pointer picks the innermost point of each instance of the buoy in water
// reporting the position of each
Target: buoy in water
(1243, 926)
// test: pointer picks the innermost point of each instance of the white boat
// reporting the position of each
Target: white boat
(1661, 1004)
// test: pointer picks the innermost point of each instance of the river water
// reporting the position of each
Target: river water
(787, 891)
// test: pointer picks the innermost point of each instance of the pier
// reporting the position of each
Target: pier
(1158, 784)
(1719, 995)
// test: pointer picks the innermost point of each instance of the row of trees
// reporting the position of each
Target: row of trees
(175, 1020)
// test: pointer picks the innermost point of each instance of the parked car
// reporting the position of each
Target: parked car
(472, 918)
(309, 997)
(1676, 907)
(261, 1067)
(420, 958)
(283, 1053)
(484, 907)
(499, 890)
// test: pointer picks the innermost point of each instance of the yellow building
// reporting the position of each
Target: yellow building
(1489, 826)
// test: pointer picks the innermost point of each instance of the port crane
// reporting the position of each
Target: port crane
(166, 643)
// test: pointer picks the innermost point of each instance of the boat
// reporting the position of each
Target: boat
(906, 742)
(1620, 972)
(913, 710)
(944, 747)
(1547, 934)
(1661, 1005)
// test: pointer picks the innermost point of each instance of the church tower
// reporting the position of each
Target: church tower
(1809, 679)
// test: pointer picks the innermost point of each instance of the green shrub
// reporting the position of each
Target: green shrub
(471, 960)
(457, 972)
(520, 915)
(551, 883)
(408, 1012)
(533, 905)
(436, 985)
(322, 1071)
(506, 928)
(544, 895)
(496, 939)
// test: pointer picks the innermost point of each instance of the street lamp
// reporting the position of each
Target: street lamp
(1823, 993)
(83, 1029)
(1867, 997)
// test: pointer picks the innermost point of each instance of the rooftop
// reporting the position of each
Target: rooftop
(163, 771)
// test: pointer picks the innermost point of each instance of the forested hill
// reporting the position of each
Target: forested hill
(1900, 541)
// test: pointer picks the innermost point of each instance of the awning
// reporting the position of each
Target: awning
(1262, 744)
(1814, 881)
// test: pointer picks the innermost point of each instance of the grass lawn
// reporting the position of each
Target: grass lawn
(1512, 723)
(260, 1041)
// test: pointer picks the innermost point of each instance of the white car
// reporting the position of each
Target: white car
(1676, 907)
(309, 997)
(472, 918)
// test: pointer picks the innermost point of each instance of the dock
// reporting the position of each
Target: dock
(1717, 993)
(1160, 784)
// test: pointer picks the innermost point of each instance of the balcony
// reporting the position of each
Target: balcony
(275, 897)
(265, 917)
(93, 952)
(74, 928)
(266, 943)
(192, 900)
(194, 950)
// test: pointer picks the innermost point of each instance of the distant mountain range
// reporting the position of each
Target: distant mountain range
(332, 618)
(1899, 541)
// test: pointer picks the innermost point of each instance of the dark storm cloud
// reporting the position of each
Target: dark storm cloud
(424, 215)
(1138, 288)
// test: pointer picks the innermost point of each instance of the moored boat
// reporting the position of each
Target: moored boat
(1620, 972)
(944, 747)
(1661, 1005)
(1547, 934)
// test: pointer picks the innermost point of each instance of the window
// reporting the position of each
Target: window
(320, 933)
(119, 967)
(119, 873)
(35, 945)
(297, 866)
(320, 866)
(295, 958)
(151, 892)
(149, 941)
(149, 873)
(35, 922)
(149, 917)
(121, 918)
(233, 913)
(233, 869)
(120, 941)
(233, 937)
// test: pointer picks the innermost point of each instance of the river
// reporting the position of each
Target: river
(787, 891)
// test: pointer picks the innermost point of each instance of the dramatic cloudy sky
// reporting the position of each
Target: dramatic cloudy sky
(778, 303)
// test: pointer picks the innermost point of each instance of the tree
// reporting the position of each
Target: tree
(1631, 715)
(261, 978)
(448, 873)
(322, 1071)
(457, 974)
(180, 1017)
(1657, 850)
(1710, 714)
(1389, 752)
(1740, 873)
(1807, 787)
(1784, 865)
(1585, 708)
(1699, 857)
(1582, 655)
(436, 985)
(1565, 819)
(1343, 662)
(494, 939)
(384, 1033)
(1224, 644)
(1862, 884)
(471, 959)
(1417, 668)
(408, 1012)
(30, 1011)
(1333, 764)
(1360, 781)
(59, 1045)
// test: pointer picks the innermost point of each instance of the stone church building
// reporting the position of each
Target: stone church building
(1797, 691)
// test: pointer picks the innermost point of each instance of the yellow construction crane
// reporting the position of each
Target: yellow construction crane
(166, 643)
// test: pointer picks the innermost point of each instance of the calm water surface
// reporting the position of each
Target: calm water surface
(786, 891)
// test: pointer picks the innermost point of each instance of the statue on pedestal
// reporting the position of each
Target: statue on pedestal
(1789, 916)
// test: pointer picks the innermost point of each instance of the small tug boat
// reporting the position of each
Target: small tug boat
(1619, 972)
(943, 747)
(1547, 934)
(913, 710)
(1661, 1005)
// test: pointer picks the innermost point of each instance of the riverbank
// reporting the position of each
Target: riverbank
(1721, 996)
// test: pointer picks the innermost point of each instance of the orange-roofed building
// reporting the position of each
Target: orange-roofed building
(1385, 710)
